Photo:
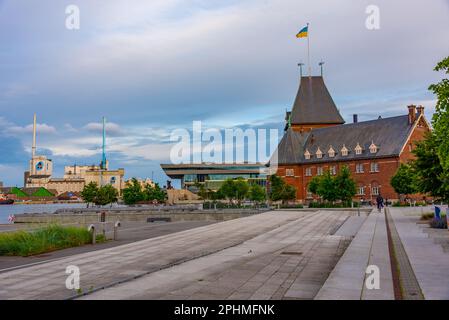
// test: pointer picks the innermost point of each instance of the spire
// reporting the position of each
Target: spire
(33, 148)
(103, 159)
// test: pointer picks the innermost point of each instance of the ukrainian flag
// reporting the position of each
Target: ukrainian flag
(303, 33)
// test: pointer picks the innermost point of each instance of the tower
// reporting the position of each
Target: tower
(40, 168)
(314, 107)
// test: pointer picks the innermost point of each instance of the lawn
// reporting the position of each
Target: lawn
(47, 239)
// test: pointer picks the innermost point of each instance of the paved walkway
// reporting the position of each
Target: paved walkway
(369, 247)
(429, 261)
(105, 267)
(289, 262)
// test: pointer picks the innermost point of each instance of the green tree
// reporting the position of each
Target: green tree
(440, 119)
(345, 185)
(133, 193)
(280, 190)
(227, 189)
(154, 193)
(89, 193)
(241, 188)
(327, 188)
(430, 175)
(314, 184)
(106, 194)
(257, 193)
(403, 182)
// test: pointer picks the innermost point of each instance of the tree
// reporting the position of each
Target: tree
(105, 195)
(89, 193)
(133, 192)
(345, 185)
(280, 190)
(234, 189)
(440, 119)
(257, 193)
(327, 188)
(154, 193)
(241, 188)
(430, 176)
(403, 182)
(314, 184)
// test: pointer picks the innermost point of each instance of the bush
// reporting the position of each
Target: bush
(292, 206)
(438, 223)
(330, 205)
(427, 216)
(50, 238)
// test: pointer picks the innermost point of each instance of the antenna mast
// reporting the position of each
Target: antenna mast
(33, 149)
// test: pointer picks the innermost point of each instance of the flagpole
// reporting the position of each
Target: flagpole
(308, 50)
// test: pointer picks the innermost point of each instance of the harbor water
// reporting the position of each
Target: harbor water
(6, 210)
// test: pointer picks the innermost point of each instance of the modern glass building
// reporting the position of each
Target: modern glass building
(212, 176)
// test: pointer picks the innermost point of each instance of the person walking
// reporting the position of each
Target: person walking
(380, 203)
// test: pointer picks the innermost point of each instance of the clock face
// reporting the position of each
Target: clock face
(39, 166)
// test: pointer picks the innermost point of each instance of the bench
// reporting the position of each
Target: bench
(159, 219)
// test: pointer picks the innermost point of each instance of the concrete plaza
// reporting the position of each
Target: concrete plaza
(273, 255)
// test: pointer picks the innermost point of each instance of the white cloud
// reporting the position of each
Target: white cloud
(111, 128)
(40, 128)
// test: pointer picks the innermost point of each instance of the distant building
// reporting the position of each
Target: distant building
(143, 182)
(75, 177)
(212, 176)
(317, 140)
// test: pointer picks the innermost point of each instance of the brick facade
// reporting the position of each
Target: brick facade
(368, 181)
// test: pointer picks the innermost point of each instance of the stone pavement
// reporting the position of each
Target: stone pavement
(289, 262)
(110, 266)
(369, 247)
(429, 261)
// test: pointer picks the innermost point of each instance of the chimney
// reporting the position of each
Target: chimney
(411, 114)
(420, 110)
(355, 118)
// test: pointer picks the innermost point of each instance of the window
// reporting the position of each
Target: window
(113, 180)
(358, 149)
(375, 191)
(308, 172)
(319, 171)
(319, 154)
(361, 191)
(344, 151)
(289, 172)
(333, 170)
(307, 154)
(372, 148)
(359, 168)
(374, 167)
(331, 152)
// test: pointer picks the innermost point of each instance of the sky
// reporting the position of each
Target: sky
(154, 66)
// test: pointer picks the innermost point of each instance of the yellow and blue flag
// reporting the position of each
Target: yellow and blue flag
(303, 33)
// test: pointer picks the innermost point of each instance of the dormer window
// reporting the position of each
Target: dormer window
(307, 155)
(331, 152)
(319, 153)
(358, 149)
(344, 151)
(373, 148)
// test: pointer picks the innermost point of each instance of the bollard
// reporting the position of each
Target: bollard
(91, 228)
(116, 226)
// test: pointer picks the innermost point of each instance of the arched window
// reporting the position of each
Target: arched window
(375, 188)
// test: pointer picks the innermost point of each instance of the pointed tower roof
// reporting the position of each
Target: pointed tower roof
(314, 104)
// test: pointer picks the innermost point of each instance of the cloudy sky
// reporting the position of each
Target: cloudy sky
(153, 66)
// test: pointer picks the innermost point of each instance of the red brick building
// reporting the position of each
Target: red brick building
(317, 139)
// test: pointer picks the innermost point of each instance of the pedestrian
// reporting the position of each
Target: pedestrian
(380, 203)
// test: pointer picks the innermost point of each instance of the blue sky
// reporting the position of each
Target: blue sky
(154, 66)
